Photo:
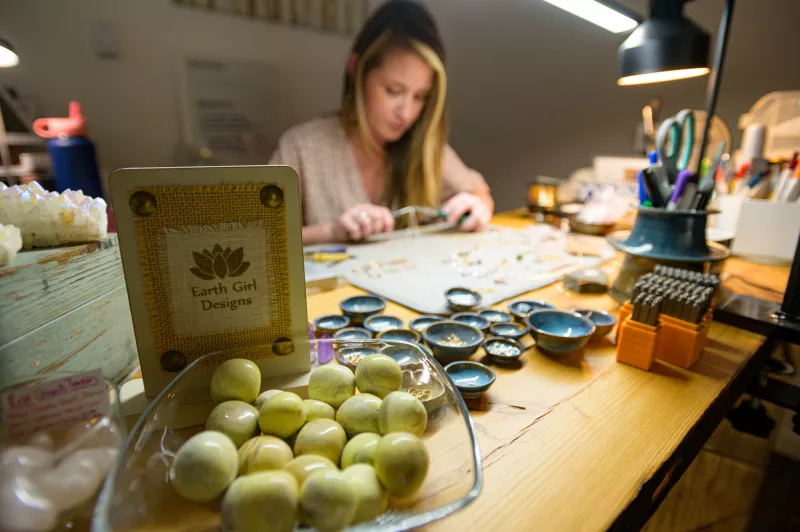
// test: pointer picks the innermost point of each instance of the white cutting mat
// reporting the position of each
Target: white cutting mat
(500, 264)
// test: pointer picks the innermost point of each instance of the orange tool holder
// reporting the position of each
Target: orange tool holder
(637, 344)
(681, 342)
(675, 341)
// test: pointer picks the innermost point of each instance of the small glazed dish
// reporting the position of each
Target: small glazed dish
(379, 323)
(503, 350)
(330, 324)
(471, 378)
(424, 385)
(559, 332)
(420, 323)
(353, 333)
(471, 319)
(508, 329)
(359, 308)
(405, 355)
(496, 316)
(450, 340)
(404, 335)
(522, 307)
(603, 321)
(351, 356)
(463, 299)
(594, 229)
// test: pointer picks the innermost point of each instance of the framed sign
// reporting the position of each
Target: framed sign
(213, 261)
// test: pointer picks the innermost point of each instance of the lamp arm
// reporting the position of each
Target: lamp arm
(715, 80)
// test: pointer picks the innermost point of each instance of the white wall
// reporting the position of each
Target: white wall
(533, 89)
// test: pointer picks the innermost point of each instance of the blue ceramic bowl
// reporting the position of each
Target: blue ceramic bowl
(403, 354)
(420, 323)
(559, 331)
(379, 323)
(471, 378)
(522, 307)
(508, 329)
(330, 324)
(471, 319)
(503, 350)
(404, 335)
(450, 341)
(496, 316)
(463, 299)
(351, 356)
(353, 333)
(359, 308)
(602, 320)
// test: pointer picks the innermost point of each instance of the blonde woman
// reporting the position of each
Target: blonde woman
(387, 147)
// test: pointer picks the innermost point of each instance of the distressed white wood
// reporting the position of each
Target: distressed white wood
(97, 334)
(42, 285)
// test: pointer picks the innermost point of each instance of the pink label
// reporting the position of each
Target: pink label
(53, 404)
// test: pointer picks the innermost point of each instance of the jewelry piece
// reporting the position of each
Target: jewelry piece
(362, 215)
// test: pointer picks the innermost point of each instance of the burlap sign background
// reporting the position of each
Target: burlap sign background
(212, 267)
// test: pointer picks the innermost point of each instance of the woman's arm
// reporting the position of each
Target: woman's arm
(356, 223)
(317, 234)
(466, 192)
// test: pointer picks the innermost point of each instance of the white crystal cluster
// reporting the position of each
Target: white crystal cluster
(10, 243)
(51, 219)
(39, 482)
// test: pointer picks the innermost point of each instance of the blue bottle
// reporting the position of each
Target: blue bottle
(72, 154)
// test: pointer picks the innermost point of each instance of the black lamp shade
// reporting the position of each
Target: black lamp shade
(661, 49)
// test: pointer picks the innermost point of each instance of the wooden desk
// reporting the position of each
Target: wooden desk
(584, 443)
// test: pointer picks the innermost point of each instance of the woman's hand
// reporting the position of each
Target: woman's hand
(360, 221)
(479, 212)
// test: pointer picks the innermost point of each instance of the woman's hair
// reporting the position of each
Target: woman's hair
(414, 162)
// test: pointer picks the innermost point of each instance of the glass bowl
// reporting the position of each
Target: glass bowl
(84, 431)
(137, 494)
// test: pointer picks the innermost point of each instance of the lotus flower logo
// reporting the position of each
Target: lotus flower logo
(219, 264)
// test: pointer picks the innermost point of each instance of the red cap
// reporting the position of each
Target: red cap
(73, 126)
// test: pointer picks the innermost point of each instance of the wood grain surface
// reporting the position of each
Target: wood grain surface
(568, 442)
(575, 437)
(66, 309)
(42, 284)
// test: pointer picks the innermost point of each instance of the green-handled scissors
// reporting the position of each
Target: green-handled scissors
(677, 132)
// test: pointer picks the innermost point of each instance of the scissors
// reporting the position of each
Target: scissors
(678, 131)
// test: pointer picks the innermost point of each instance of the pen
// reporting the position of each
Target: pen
(755, 180)
(643, 197)
(651, 186)
(707, 182)
(660, 178)
(687, 199)
(784, 179)
(792, 191)
(760, 190)
(680, 184)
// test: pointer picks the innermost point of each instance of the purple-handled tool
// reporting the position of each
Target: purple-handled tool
(684, 176)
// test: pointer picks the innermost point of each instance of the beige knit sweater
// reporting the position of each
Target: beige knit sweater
(330, 181)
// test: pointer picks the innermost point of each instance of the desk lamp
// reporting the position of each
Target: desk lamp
(8, 58)
(669, 47)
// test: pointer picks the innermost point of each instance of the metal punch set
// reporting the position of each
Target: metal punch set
(666, 318)
(682, 294)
